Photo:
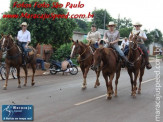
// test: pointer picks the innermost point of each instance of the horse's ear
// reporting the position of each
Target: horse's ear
(72, 40)
(2, 34)
(77, 41)
(138, 34)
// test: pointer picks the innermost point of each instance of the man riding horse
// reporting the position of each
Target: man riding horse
(141, 38)
(24, 38)
(94, 37)
(113, 37)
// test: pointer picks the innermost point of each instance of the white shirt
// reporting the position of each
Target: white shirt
(142, 33)
(125, 43)
(24, 37)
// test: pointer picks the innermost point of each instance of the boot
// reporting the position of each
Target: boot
(128, 64)
(148, 65)
(24, 60)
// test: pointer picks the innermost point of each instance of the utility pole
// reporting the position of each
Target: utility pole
(104, 21)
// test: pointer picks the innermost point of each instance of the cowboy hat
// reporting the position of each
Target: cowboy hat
(137, 23)
(111, 23)
(93, 25)
(24, 23)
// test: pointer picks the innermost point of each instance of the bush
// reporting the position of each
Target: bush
(62, 52)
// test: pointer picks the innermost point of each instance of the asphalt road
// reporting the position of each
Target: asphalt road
(60, 99)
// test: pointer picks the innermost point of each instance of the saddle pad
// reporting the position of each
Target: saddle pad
(31, 50)
(64, 65)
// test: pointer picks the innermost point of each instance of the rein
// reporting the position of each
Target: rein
(86, 57)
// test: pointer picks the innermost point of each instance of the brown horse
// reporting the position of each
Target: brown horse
(111, 66)
(85, 60)
(14, 59)
(135, 56)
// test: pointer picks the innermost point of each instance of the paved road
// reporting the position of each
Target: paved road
(60, 99)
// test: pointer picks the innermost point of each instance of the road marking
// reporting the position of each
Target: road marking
(95, 98)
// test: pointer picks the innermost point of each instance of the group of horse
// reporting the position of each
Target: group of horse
(102, 59)
(108, 61)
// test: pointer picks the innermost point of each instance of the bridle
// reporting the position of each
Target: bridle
(7, 49)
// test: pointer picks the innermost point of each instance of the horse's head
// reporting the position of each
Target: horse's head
(76, 48)
(6, 42)
(133, 40)
(97, 58)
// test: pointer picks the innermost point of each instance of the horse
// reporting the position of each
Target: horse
(136, 57)
(85, 60)
(112, 65)
(14, 59)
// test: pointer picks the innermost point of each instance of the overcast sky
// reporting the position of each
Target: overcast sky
(148, 12)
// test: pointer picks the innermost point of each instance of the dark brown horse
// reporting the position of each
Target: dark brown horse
(135, 56)
(14, 59)
(85, 60)
(111, 65)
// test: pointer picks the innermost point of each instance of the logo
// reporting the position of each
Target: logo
(17, 112)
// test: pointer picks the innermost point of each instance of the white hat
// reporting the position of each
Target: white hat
(137, 23)
(24, 23)
(111, 23)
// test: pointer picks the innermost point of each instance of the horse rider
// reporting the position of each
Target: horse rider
(141, 38)
(24, 38)
(125, 45)
(111, 37)
(94, 37)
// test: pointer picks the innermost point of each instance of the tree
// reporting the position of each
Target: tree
(99, 18)
(82, 25)
(48, 31)
(123, 23)
(125, 32)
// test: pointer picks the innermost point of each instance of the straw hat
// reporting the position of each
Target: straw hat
(137, 24)
(111, 23)
(24, 23)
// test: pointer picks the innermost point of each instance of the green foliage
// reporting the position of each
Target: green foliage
(46, 31)
(85, 41)
(99, 18)
(125, 32)
(62, 52)
(123, 23)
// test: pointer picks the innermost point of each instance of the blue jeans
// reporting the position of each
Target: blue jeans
(120, 52)
(95, 45)
(25, 50)
(41, 62)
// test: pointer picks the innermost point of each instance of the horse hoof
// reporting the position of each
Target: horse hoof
(95, 86)
(109, 97)
(115, 95)
(139, 92)
(4, 88)
(134, 95)
(25, 84)
(84, 87)
(112, 92)
(32, 84)
(19, 86)
(98, 84)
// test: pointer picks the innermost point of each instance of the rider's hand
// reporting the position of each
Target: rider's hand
(26, 46)
(111, 43)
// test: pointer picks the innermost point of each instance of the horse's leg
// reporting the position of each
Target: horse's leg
(116, 80)
(26, 73)
(18, 75)
(97, 83)
(33, 69)
(131, 80)
(7, 75)
(85, 76)
(140, 79)
(106, 81)
(135, 82)
(110, 87)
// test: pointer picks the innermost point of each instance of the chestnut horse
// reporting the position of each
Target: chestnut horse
(136, 57)
(111, 66)
(85, 60)
(14, 59)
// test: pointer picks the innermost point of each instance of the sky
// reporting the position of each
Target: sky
(147, 12)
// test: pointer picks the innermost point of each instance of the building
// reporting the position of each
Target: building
(78, 36)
